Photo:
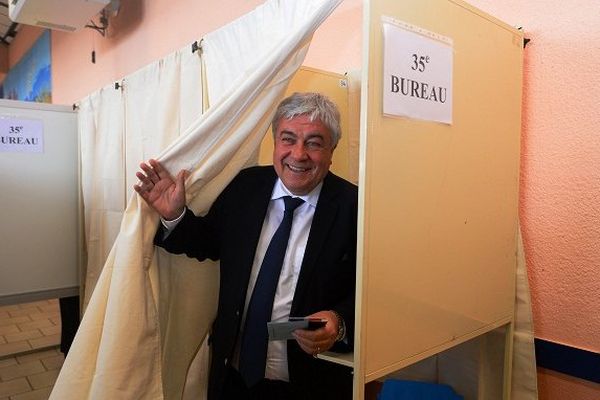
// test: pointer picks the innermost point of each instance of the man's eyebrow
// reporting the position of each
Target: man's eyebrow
(315, 135)
(312, 135)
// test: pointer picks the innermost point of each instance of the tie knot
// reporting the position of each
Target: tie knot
(291, 203)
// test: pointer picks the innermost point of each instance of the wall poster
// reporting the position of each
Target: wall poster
(30, 78)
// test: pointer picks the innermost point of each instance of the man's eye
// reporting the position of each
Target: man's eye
(314, 145)
(287, 140)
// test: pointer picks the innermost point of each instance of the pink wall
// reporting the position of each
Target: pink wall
(24, 40)
(560, 178)
(144, 31)
(556, 386)
(560, 207)
(560, 202)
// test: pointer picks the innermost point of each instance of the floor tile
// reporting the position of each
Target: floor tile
(48, 308)
(7, 362)
(46, 341)
(52, 363)
(40, 394)
(38, 355)
(26, 374)
(13, 387)
(30, 312)
(33, 304)
(7, 329)
(20, 336)
(14, 321)
(43, 380)
(52, 330)
(37, 324)
(21, 370)
(50, 316)
(14, 348)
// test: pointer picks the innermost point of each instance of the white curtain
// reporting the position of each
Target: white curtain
(101, 133)
(121, 126)
(143, 324)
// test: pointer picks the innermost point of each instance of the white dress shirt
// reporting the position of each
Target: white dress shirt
(277, 366)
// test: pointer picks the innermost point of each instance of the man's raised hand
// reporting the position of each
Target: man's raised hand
(160, 191)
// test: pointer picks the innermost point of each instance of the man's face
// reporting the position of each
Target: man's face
(302, 153)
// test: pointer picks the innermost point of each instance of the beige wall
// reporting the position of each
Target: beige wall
(560, 180)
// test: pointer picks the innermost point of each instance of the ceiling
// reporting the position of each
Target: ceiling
(8, 28)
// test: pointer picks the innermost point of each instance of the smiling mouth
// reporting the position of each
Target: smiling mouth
(297, 169)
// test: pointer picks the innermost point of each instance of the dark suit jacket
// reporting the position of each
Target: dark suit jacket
(230, 232)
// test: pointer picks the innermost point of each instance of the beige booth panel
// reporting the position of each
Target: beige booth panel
(438, 203)
(334, 86)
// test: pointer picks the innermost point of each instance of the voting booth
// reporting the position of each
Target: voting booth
(40, 236)
(439, 176)
(440, 121)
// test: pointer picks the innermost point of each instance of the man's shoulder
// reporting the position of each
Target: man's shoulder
(253, 178)
(337, 183)
(259, 171)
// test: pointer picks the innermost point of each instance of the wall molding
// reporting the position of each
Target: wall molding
(568, 360)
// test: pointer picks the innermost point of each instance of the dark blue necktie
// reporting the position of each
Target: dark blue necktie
(253, 353)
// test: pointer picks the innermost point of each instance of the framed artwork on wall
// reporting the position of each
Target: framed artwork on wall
(31, 79)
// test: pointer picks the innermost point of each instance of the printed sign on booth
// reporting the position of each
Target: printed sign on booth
(21, 135)
(417, 72)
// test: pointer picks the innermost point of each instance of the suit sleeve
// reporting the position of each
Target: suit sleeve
(346, 306)
(196, 236)
(193, 236)
(203, 237)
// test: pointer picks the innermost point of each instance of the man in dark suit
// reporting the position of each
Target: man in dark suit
(316, 277)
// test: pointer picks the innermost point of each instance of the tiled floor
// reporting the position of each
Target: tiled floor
(29, 355)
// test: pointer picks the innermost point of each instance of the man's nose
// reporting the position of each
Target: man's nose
(299, 151)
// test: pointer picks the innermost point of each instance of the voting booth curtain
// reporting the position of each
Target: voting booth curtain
(122, 125)
(148, 312)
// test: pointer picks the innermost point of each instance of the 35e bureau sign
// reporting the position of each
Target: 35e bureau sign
(21, 135)
(417, 72)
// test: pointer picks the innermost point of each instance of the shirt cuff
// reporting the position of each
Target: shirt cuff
(170, 225)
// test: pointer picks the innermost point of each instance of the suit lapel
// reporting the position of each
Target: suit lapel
(257, 202)
(323, 220)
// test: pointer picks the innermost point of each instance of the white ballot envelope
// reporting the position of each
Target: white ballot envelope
(282, 330)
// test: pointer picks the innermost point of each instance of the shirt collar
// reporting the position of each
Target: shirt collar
(279, 191)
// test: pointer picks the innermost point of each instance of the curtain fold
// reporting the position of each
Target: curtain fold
(134, 335)
(524, 371)
(102, 135)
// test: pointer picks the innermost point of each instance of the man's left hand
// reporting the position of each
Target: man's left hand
(319, 340)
